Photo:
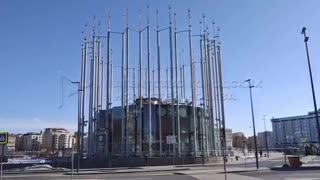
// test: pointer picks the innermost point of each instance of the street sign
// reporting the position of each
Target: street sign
(304, 140)
(171, 139)
(4, 136)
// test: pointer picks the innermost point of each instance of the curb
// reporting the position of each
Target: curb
(37, 172)
(295, 169)
(127, 172)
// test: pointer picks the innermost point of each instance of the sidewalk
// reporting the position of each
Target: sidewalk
(218, 174)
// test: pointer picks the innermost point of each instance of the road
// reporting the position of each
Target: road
(262, 163)
(123, 176)
(285, 175)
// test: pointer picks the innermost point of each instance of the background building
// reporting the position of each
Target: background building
(295, 131)
(229, 138)
(265, 138)
(11, 146)
(238, 140)
(19, 142)
(32, 141)
(56, 139)
(250, 143)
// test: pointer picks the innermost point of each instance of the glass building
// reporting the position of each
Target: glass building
(138, 135)
(295, 131)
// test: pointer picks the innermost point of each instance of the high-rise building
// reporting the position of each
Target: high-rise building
(294, 131)
(265, 139)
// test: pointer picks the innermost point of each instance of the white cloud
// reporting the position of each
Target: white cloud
(34, 124)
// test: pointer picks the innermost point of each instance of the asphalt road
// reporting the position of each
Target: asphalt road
(127, 176)
(284, 175)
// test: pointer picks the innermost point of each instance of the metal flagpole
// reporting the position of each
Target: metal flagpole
(217, 84)
(90, 128)
(122, 96)
(205, 73)
(153, 90)
(177, 88)
(159, 85)
(111, 107)
(222, 110)
(171, 78)
(215, 91)
(108, 94)
(97, 89)
(127, 84)
(203, 93)
(167, 79)
(181, 80)
(140, 89)
(211, 120)
(83, 95)
(193, 90)
(149, 92)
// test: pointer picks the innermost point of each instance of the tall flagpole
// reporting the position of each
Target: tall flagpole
(91, 97)
(193, 90)
(108, 93)
(127, 84)
(159, 85)
(149, 83)
(122, 95)
(171, 82)
(177, 88)
(203, 116)
(140, 87)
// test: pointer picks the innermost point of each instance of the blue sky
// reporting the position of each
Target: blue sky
(261, 40)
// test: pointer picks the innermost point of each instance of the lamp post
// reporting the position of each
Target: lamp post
(253, 123)
(265, 135)
(306, 38)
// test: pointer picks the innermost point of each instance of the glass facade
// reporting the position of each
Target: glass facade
(131, 136)
(294, 131)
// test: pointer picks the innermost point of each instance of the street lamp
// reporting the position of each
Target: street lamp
(306, 38)
(253, 123)
(265, 135)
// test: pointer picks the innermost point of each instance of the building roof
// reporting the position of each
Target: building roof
(290, 118)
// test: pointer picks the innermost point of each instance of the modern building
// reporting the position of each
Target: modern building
(132, 136)
(65, 141)
(32, 141)
(56, 139)
(11, 146)
(238, 140)
(265, 140)
(295, 131)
